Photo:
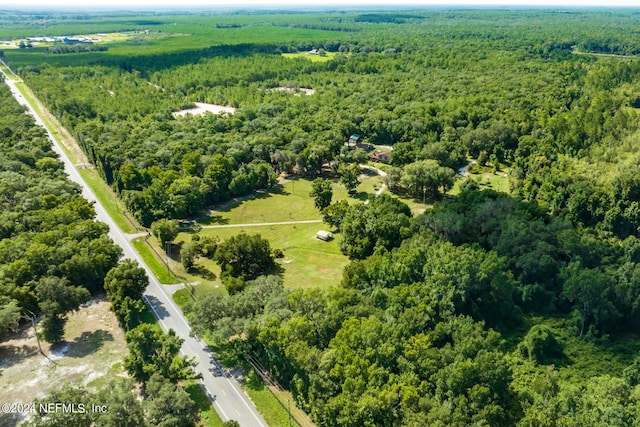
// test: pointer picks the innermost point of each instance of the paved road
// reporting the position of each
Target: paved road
(231, 402)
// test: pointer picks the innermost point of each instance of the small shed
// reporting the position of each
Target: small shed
(324, 235)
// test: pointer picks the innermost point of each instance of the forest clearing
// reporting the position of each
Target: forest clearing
(92, 349)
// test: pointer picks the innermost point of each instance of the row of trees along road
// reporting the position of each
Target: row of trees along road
(53, 258)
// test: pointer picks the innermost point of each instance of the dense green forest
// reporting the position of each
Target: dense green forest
(487, 309)
(54, 257)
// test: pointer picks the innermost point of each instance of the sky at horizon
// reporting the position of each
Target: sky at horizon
(236, 4)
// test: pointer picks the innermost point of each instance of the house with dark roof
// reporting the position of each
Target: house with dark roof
(356, 141)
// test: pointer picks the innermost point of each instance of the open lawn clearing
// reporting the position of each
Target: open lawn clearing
(327, 56)
(93, 346)
(307, 263)
(201, 108)
(498, 181)
(288, 202)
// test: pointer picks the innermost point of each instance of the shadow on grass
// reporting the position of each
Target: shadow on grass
(369, 172)
(87, 343)
(214, 220)
(174, 252)
(361, 195)
(12, 355)
(203, 272)
(199, 397)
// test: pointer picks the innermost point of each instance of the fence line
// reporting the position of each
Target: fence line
(192, 290)
(281, 395)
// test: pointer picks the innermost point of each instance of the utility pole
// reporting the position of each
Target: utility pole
(167, 249)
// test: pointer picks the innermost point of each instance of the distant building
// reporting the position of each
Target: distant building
(379, 156)
(355, 138)
(356, 141)
(324, 235)
(313, 52)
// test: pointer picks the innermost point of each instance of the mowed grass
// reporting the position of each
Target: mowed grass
(307, 263)
(109, 200)
(287, 202)
(313, 58)
(271, 409)
(150, 258)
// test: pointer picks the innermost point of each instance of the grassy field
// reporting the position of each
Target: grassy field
(307, 262)
(270, 408)
(288, 202)
(158, 267)
(328, 56)
(163, 35)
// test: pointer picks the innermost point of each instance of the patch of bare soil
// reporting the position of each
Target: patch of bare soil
(94, 346)
(296, 91)
(202, 108)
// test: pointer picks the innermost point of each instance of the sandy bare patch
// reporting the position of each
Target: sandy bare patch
(94, 343)
(297, 91)
(202, 108)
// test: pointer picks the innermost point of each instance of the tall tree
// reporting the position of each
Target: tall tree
(244, 256)
(349, 176)
(57, 298)
(165, 230)
(124, 286)
(168, 404)
(321, 192)
(152, 351)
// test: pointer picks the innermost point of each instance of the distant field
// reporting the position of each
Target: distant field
(160, 35)
(312, 57)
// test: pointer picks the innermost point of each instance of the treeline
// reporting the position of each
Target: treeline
(60, 49)
(610, 46)
(54, 257)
